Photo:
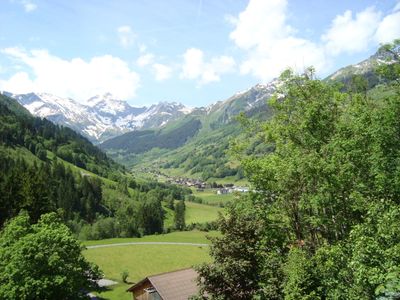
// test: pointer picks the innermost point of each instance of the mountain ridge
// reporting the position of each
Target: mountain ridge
(103, 116)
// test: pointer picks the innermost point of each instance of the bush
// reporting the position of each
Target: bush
(124, 276)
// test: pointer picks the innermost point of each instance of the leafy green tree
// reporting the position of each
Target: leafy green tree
(150, 215)
(327, 197)
(170, 202)
(301, 281)
(43, 261)
(391, 69)
(179, 215)
(244, 266)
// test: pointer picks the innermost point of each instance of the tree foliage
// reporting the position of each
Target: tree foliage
(179, 215)
(331, 185)
(43, 261)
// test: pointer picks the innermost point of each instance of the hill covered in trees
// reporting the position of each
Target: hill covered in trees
(142, 141)
(46, 168)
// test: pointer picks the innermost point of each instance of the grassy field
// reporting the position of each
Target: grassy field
(144, 260)
(198, 237)
(200, 213)
(195, 213)
(210, 197)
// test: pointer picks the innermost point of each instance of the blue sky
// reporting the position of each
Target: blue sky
(192, 51)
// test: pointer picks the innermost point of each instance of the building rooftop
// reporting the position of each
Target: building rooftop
(176, 285)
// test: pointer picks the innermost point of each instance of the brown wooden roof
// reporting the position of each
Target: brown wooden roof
(177, 285)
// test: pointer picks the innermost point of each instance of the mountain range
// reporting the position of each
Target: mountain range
(102, 117)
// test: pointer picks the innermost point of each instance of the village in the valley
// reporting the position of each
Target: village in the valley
(198, 184)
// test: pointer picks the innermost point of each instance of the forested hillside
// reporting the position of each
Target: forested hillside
(142, 141)
(19, 128)
(47, 168)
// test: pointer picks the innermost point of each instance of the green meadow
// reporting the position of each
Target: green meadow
(144, 260)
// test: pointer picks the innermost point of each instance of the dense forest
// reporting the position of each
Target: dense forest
(48, 168)
(323, 221)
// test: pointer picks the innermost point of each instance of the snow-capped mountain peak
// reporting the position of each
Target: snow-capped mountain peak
(108, 104)
(103, 116)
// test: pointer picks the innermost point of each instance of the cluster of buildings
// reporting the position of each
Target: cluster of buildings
(189, 182)
(233, 189)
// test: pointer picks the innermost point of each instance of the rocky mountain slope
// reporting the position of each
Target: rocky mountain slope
(366, 68)
(103, 116)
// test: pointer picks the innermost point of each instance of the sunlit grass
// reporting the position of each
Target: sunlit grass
(144, 260)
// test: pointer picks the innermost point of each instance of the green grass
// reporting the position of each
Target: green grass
(144, 260)
(200, 213)
(195, 213)
(194, 236)
(209, 196)
(20, 152)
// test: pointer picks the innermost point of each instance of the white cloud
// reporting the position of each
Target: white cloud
(352, 35)
(262, 22)
(29, 6)
(193, 62)
(75, 78)
(389, 28)
(290, 52)
(162, 72)
(270, 43)
(368, 27)
(126, 36)
(145, 59)
(194, 66)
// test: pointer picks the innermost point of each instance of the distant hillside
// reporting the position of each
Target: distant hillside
(366, 68)
(142, 141)
(196, 144)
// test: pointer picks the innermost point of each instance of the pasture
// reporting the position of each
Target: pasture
(144, 260)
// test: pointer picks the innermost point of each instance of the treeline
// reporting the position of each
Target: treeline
(44, 187)
(142, 141)
(325, 220)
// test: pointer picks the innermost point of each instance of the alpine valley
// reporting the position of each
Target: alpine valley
(164, 136)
